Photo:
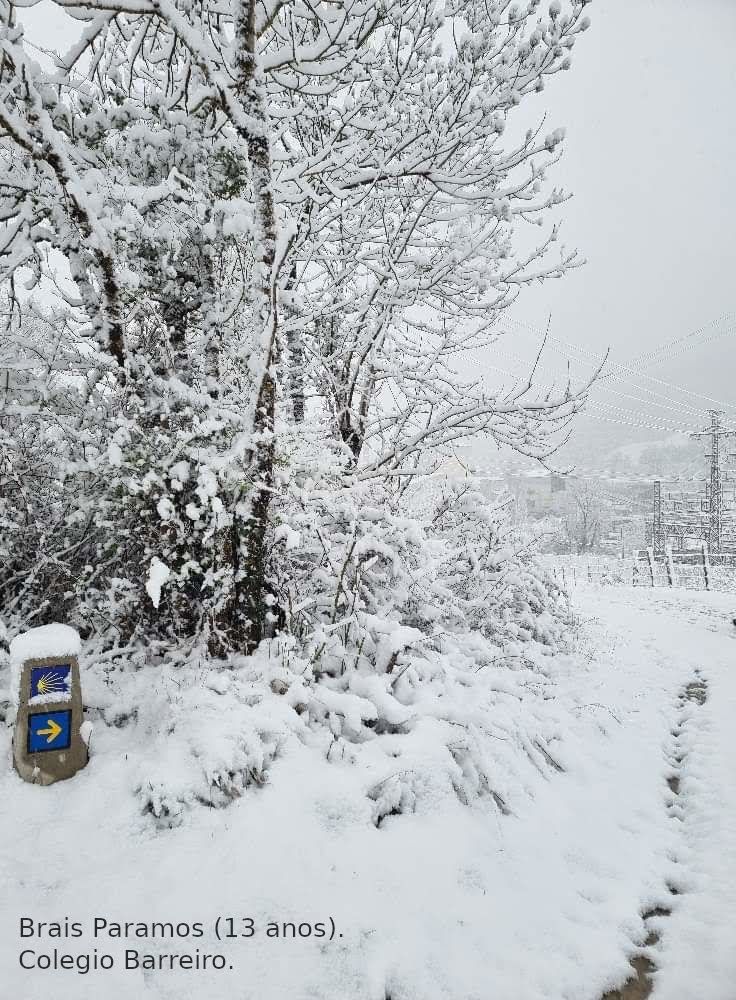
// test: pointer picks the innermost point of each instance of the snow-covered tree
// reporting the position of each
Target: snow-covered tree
(266, 235)
(212, 172)
(418, 222)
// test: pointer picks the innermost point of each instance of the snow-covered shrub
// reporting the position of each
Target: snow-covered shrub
(488, 565)
(399, 628)
(47, 526)
(97, 514)
(169, 516)
(413, 638)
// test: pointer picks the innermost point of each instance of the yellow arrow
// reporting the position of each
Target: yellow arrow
(52, 732)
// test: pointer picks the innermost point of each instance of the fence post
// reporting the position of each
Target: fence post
(706, 564)
(650, 557)
(670, 567)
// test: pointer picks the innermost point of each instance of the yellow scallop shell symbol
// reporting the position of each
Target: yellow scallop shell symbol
(50, 682)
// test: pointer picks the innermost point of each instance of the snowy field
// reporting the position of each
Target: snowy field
(637, 798)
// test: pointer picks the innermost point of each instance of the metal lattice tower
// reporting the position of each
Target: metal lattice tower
(715, 485)
(657, 539)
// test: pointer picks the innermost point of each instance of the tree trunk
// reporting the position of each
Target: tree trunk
(296, 357)
(251, 598)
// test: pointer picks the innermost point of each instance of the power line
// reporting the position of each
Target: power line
(625, 417)
(683, 410)
(636, 418)
(597, 404)
(638, 424)
(647, 356)
(684, 350)
(680, 405)
(624, 368)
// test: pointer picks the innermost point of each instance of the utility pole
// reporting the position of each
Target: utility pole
(715, 486)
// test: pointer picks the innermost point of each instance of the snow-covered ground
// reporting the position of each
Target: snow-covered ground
(452, 902)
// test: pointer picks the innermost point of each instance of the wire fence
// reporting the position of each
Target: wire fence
(688, 570)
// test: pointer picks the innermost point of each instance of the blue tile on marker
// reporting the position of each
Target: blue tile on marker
(52, 680)
(49, 731)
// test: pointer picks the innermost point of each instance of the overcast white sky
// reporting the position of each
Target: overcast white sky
(649, 107)
(650, 110)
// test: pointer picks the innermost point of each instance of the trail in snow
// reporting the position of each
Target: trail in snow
(692, 947)
(551, 902)
(641, 983)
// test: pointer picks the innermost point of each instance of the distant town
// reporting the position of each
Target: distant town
(656, 495)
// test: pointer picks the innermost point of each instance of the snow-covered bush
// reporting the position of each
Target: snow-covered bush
(392, 628)
(489, 567)
(89, 511)
(344, 561)
(169, 518)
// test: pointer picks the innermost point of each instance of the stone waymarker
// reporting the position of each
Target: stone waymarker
(47, 744)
